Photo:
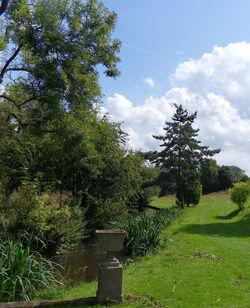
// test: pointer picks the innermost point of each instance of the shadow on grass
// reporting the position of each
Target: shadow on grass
(240, 228)
(246, 217)
(230, 215)
(236, 229)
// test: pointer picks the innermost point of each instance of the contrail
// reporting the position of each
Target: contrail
(146, 52)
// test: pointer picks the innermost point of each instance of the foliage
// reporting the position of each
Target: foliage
(240, 193)
(22, 271)
(144, 231)
(50, 128)
(209, 176)
(57, 223)
(192, 192)
(52, 50)
(149, 187)
(182, 152)
(166, 182)
(228, 175)
(83, 157)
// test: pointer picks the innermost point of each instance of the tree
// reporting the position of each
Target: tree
(228, 175)
(166, 181)
(192, 192)
(209, 176)
(240, 193)
(52, 50)
(149, 187)
(182, 152)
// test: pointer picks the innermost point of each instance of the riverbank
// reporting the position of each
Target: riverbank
(206, 262)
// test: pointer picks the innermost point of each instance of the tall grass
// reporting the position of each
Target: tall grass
(144, 231)
(22, 271)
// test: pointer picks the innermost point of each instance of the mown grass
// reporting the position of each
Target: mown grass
(169, 200)
(163, 202)
(206, 262)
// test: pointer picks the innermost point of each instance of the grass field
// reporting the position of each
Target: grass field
(205, 263)
(163, 202)
(169, 200)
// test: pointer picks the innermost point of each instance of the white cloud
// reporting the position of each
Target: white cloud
(150, 82)
(226, 71)
(218, 86)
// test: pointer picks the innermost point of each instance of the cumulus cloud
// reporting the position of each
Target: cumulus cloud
(226, 71)
(217, 85)
(150, 82)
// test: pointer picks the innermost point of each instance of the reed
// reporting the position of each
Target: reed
(22, 271)
(144, 231)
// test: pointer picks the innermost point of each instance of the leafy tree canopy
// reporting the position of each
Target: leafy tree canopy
(51, 51)
(240, 193)
(228, 175)
(209, 175)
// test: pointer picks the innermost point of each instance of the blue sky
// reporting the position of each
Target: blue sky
(168, 55)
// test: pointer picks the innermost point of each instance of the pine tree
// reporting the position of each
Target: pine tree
(182, 153)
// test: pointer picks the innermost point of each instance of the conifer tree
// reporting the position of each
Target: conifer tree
(182, 152)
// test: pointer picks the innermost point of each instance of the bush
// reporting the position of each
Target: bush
(192, 192)
(22, 271)
(240, 193)
(144, 231)
(58, 224)
(102, 215)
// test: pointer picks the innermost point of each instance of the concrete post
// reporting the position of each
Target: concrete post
(110, 272)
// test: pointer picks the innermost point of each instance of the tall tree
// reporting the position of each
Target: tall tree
(182, 152)
(51, 52)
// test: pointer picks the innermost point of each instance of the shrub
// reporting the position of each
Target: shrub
(22, 271)
(144, 231)
(103, 214)
(59, 224)
(192, 192)
(239, 193)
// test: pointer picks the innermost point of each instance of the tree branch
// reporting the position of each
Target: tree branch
(21, 69)
(9, 114)
(8, 99)
(15, 103)
(27, 101)
(3, 6)
(8, 62)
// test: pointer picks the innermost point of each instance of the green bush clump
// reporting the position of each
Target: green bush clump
(59, 224)
(240, 193)
(22, 271)
(144, 231)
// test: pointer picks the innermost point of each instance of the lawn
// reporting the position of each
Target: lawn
(205, 263)
(163, 202)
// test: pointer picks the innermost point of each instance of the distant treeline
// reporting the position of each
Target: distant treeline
(212, 177)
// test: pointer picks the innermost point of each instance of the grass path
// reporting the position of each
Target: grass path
(206, 262)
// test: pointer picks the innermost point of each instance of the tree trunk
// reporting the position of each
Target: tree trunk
(181, 196)
(241, 206)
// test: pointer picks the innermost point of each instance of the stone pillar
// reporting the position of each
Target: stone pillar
(110, 272)
(110, 281)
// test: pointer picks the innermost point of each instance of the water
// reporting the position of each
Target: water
(81, 263)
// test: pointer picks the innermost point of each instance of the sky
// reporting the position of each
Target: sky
(195, 53)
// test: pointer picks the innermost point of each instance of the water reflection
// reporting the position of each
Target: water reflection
(81, 263)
